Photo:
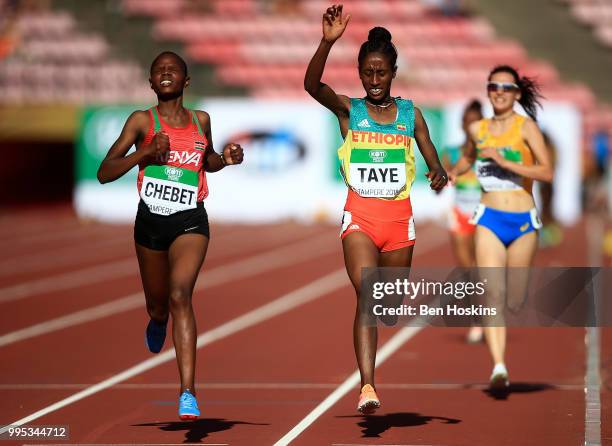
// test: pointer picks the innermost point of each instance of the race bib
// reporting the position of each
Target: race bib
(167, 189)
(378, 172)
(493, 177)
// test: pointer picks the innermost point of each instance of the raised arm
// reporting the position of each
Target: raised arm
(437, 175)
(232, 153)
(334, 24)
(116, 164)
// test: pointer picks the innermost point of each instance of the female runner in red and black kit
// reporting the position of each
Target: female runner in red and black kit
(171, 233)
(378, 229)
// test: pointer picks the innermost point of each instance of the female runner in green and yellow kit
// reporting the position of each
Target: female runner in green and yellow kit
(509, 153)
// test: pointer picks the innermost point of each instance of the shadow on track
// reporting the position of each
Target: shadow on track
(375, 425)
(517, 387)
(199, 429)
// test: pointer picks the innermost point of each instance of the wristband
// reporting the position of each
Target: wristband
(223, 160)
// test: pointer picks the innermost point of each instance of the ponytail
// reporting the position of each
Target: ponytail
(530, 90)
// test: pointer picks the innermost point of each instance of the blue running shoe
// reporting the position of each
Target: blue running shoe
(155, 336)
(188, 406)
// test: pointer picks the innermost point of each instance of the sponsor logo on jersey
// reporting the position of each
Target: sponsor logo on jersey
(184, 158)
(173, 173)
(363, 123)
(377, 156)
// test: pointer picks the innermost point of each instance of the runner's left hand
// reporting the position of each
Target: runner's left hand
(437, 178)
(233, 154)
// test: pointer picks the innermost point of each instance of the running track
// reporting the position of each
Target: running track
(275, 364)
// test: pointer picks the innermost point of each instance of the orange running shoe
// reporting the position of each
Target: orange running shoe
(368, 400)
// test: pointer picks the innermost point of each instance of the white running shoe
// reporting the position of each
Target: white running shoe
(499, 377)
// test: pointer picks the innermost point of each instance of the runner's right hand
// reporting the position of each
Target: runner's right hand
(159, 148)
(334, 23)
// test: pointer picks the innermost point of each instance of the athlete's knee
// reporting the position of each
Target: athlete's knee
(157, 311)
(355, 278)
(180, 296)
(515, 302)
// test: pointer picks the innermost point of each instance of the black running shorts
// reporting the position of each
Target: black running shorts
(159, 231)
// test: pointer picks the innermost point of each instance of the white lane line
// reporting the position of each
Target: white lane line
(56, 257)
(61, 282)
(70, 235)
(390, 347)
(78, 317)
(87, 276)
(24, 225)
(592, 382)
(274, 386)
(72, 255)
(261, 263)
(314, 290)
(594, 227)
(75, 234)
(161, 386)
(96, 274)
(249, 267)
(592, 379)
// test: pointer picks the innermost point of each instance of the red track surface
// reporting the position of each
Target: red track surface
(256, 384)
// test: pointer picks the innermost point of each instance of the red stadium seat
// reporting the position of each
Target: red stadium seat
(265, 47)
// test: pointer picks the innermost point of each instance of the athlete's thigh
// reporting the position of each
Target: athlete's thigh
(154, 272)
(359, 252)
(520, 256)
(522, 250)
(186, 255)
(490, 251)
(399, 257)
(491, 266)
